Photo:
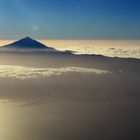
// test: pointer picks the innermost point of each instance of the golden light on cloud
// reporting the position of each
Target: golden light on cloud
(5, 42)
(111, 48)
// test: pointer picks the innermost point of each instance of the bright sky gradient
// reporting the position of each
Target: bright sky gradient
(70, 19)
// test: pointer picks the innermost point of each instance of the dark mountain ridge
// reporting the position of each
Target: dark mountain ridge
(27, 43)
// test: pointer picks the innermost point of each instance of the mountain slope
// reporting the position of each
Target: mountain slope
(27, 43)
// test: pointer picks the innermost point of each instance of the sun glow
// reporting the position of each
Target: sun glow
(5, 42)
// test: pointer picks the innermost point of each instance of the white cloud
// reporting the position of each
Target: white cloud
(21, 72)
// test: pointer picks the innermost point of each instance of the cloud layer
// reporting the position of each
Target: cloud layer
(21, 72)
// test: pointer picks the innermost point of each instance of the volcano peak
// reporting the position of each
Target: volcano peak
(27, 43)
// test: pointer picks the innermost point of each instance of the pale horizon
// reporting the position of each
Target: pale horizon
(111, 48)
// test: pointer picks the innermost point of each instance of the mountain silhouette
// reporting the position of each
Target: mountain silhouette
(27, 43)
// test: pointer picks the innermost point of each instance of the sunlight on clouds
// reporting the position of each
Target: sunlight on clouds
(111, 48)
(20, 72)
(5, 42)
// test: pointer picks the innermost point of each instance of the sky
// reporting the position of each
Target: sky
(70, 19)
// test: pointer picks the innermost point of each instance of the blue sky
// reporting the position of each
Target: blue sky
(70, 19)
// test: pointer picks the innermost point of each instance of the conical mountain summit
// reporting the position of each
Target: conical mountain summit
(27, 43)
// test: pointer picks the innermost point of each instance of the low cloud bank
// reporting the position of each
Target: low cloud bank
(21, 72)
